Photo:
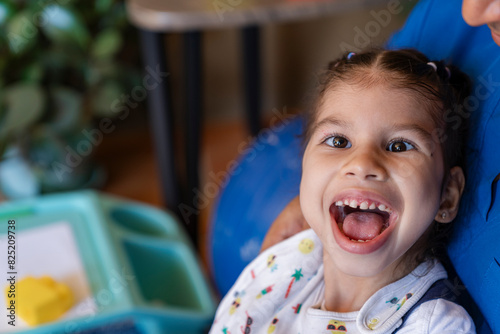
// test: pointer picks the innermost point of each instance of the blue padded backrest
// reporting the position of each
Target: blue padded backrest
(265, 179)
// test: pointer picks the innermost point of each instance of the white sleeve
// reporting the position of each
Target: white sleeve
(439, 316)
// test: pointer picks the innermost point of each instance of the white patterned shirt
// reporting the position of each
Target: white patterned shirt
(282, 291)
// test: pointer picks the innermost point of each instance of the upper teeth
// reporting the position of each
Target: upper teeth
(363, 205)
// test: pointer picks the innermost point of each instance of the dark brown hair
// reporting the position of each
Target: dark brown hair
(440, 88)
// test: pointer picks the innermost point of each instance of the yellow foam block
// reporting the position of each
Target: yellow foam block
(40, 300)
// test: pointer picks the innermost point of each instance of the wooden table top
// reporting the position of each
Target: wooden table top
(186, 15)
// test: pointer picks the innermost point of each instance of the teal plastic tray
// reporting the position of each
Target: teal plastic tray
(168, 292)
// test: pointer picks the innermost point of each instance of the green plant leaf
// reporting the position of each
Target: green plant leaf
(48, 153)
(64, 25)
(116, 17)
(21, 32)
(3, 113)
(7, 10)
(56, 58)
(3, 147)
(103, 6)
(106, 44)
(47, 158)
(2, 92)
(66, 110)
(98, 71)
(24, 106)
(106, 94)
(33, 73)
(3, 65)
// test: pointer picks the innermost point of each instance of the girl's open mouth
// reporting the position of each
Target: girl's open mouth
(362, 224)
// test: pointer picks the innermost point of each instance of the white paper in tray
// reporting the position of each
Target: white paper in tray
(46, 250)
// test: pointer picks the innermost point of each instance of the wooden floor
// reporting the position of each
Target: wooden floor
(128, 156)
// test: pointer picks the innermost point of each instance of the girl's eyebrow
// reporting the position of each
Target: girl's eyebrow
(412, 127)
(331, 120)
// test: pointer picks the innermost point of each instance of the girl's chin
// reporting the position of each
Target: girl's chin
(355, 268)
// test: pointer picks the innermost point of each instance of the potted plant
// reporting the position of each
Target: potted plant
(62, 65)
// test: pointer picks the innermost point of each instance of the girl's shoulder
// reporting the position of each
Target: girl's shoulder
(439, 316)
(302, 249)
(303, 252)
(283, 276)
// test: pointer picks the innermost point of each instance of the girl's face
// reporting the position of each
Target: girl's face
(372, 177)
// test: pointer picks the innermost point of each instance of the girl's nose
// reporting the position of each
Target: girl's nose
(367, 164)
(479, 12)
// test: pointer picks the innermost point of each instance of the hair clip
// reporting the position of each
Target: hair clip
(434, 66)
(350, 54)
(448, 71)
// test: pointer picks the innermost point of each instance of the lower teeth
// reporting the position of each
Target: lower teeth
(357, 240)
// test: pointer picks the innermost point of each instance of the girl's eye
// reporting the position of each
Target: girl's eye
(400, 146)
(338, 142)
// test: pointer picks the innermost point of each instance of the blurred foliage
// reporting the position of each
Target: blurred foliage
(62, 63)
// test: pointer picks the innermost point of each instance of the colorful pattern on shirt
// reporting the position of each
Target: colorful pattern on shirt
(288, 298)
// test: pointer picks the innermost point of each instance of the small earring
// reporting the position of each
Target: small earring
(443, 215)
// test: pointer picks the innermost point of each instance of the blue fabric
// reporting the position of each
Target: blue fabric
(436, 28)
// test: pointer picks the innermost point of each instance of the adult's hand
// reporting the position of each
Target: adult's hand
(289, 222)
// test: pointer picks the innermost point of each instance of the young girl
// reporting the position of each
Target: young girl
(381, 177)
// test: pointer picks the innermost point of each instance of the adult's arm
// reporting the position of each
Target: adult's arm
(289, 222)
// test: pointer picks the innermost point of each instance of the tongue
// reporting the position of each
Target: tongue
(362, 225)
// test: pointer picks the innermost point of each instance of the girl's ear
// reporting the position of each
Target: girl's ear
(450, 197)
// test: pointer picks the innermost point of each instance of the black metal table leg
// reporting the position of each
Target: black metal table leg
(160, 111)
(252, 76)
(193, 72)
